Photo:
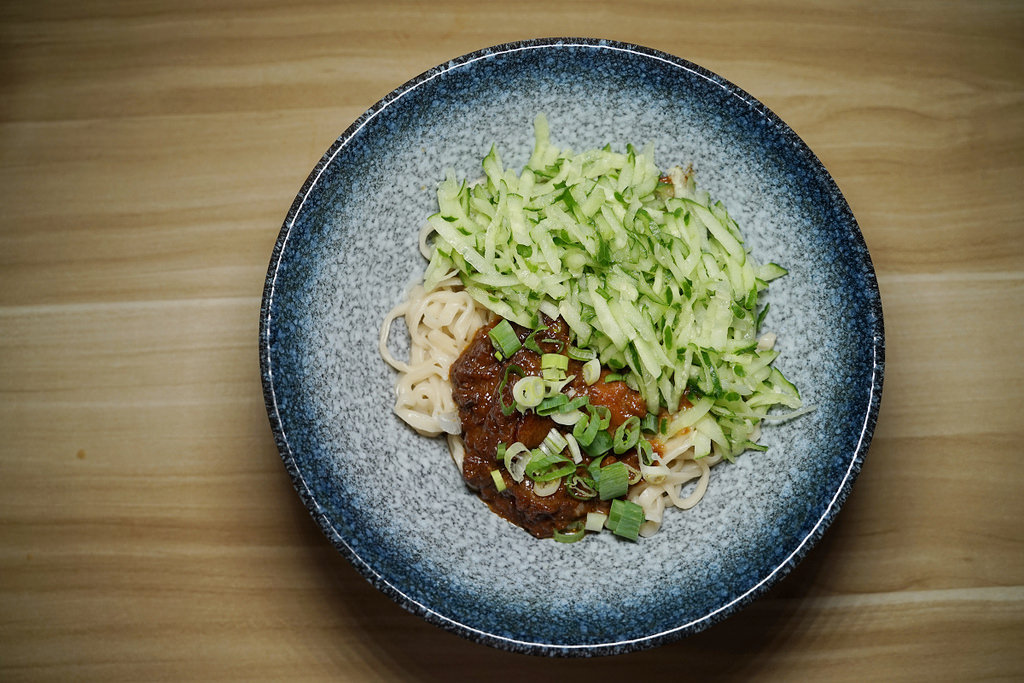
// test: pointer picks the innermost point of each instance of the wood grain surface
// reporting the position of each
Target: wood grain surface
(148, 154)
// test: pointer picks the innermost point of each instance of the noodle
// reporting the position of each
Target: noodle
(440, 325)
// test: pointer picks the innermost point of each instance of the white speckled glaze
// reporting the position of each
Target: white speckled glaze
(393, 503)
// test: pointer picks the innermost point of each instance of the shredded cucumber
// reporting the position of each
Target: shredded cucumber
(652, 276)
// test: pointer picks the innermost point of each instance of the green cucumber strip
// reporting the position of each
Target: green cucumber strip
(653, 278)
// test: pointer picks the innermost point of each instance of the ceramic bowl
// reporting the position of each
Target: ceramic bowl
(393, 503)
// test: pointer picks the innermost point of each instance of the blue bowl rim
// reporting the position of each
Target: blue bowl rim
(547, 649)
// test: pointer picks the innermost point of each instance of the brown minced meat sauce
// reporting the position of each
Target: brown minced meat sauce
(475, 378)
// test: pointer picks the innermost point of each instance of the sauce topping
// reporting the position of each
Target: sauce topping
(476, 376)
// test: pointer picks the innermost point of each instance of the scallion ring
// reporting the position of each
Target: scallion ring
(516, 458)
(614, 482)
(645, 452)
(586, 429)
(572, 533)
(601, 443)
(582, 355)
(627, 435)
(634, 475)
(544, 466)
(554, 441)
(567, 419)
(554, 360)
(580, 488)
(507, 408)
(625, 519)
(546, 488)
(504, 340)
(574, 448)
(528, 392)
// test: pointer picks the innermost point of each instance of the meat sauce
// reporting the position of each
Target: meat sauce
(475, 378)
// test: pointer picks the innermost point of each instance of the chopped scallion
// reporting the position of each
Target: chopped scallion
(625, 518)
(601, 443)
(571, 534)
(581, 488)
(582, 355)
(548, 466)
(504, 340)
(516, 458)
(507, 408)
(645, 452)
(554, 441)
(595, 521)
(626, 435)
(554, 360)
(614, 481)
(529, 391)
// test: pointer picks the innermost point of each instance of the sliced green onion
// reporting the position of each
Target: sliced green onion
(554, 386)
(572, 533)
(547, 466)
(582, 355)
(576, 403)
(552, 404)
(628, 517)
(516, 458)
(499, 452)
(552, 374)
(614, 481)
(568, 419)
(586, 429)
(614, 514)
(634, 474)
(554, 441)
(554, 360)
(504, 340)
(615, 377)
(560, 404)
(506, 409)
(546, 488)
(627, 435)
(595, 521)
(649, 423)
(531, 343)
(499, 480)
(553, 366)
(574, 448)
(581, 488)
(529, 391)
(645, 452)
(601, 443)
(591, 371)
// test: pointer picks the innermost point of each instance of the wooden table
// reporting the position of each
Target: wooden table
(148, 154)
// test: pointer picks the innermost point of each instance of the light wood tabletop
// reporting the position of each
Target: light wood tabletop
(149, 152)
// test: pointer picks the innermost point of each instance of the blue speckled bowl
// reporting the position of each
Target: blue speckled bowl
(393, 503)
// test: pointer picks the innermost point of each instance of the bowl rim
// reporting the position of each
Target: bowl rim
(873, 310)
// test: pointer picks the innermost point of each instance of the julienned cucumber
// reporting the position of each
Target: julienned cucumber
(645, 269)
